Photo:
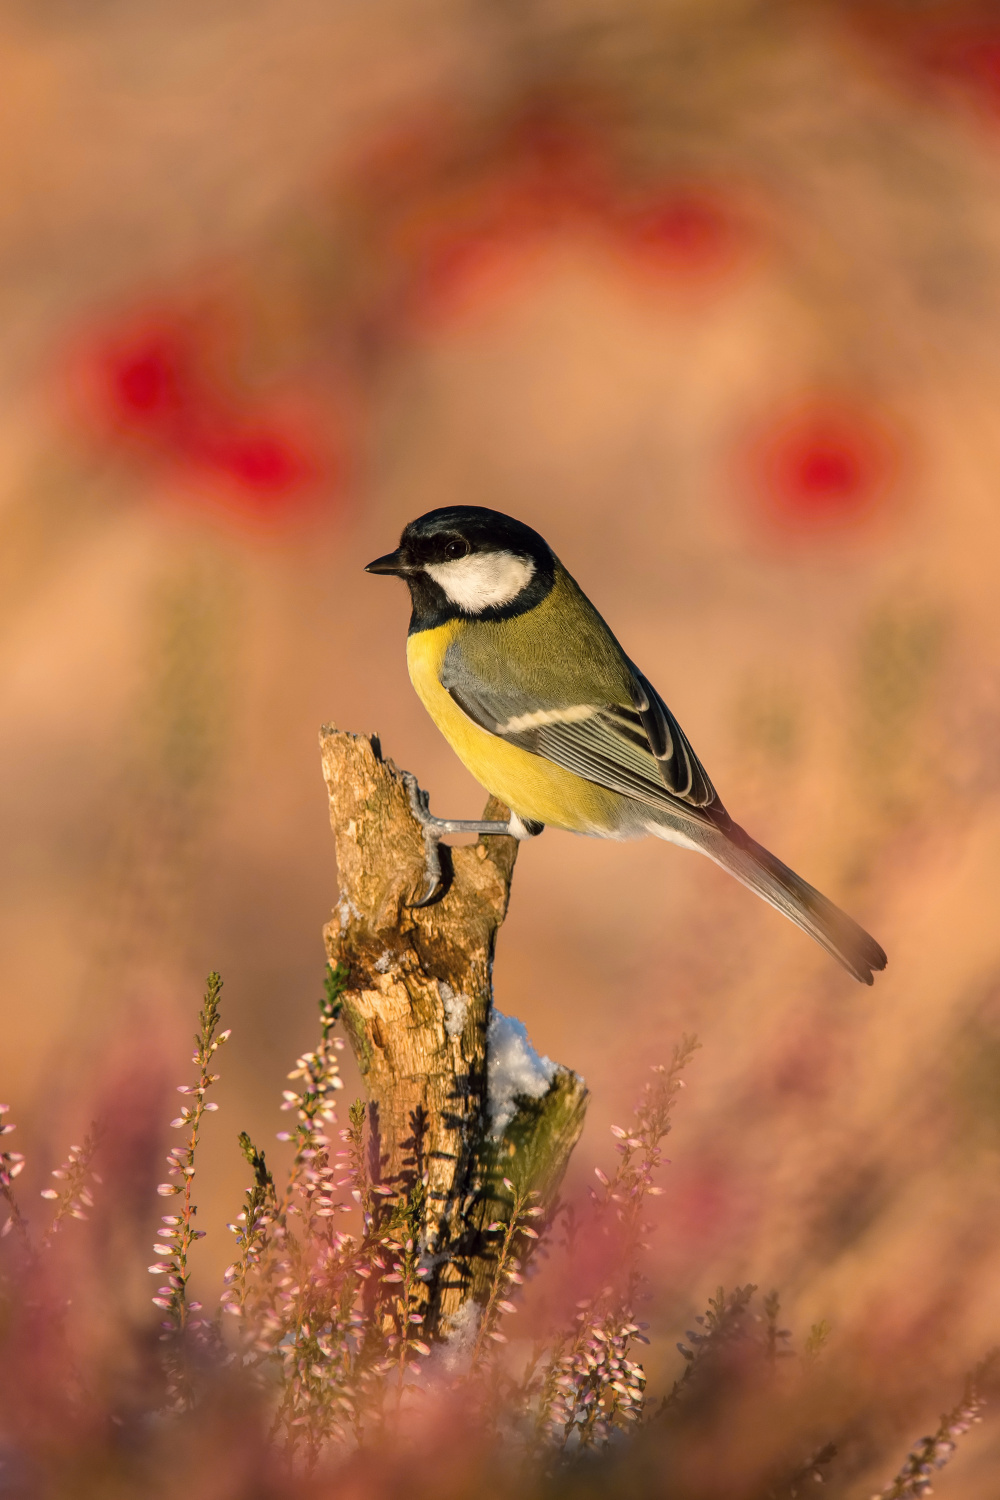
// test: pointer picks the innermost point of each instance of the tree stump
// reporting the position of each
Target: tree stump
(458, 1099)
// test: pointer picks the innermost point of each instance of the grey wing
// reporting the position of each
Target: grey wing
(639, 750)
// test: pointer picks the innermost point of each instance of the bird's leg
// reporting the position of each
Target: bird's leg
(435, 829)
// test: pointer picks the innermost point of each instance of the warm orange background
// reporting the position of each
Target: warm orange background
(710, 295)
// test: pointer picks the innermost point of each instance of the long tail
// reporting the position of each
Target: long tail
(759, 870)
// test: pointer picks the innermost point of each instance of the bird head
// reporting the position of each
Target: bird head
(466, 560)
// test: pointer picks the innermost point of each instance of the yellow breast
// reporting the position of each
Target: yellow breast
(530, 786)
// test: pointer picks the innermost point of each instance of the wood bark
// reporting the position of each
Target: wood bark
(417, 1012)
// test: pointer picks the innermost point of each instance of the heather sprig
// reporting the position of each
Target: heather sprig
(354, 1136)
(310, 1189)
(592, 1384)
(331, 1325)
(11, 1165)
(405, 1275)
(507, 1271)
(931, 1453)
(74, 1198)
(816, 1341)
(179, 1233)
(776, 1345)
(319, 1071)
(811, 1472)
(640, 1146)
(723, 1325)
(250, 1229)
(312, 1298)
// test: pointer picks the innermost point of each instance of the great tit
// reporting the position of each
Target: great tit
(533, 692)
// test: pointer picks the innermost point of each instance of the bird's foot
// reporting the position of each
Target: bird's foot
(434, 830)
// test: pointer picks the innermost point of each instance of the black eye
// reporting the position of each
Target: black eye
(457, 547)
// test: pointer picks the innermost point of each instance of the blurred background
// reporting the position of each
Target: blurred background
(708, 293)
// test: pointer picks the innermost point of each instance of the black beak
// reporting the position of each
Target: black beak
(392, 562)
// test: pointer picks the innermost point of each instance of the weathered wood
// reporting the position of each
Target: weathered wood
(417, 1012)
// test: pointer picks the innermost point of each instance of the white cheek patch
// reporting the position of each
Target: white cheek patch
(486, 580)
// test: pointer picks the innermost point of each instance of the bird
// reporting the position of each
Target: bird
(538, 699)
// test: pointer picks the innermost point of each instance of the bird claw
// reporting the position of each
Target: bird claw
(434, 830)
(435, 879)
(419, 800)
